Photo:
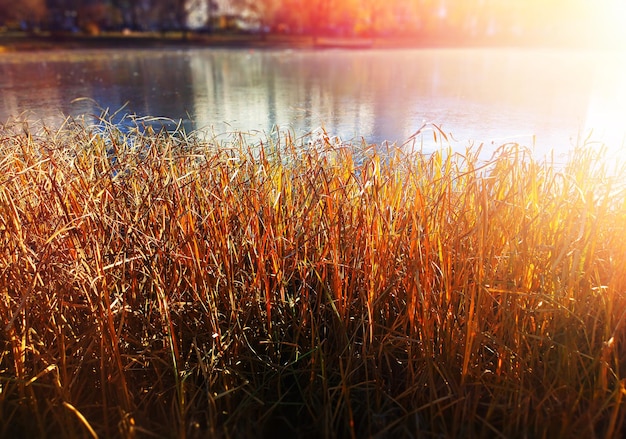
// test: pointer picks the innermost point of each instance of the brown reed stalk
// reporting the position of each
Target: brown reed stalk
(156, 284)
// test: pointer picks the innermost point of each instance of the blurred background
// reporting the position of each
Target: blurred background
(563, 22)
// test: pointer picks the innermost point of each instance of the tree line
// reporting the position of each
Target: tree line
(440, 18)
(90, 15)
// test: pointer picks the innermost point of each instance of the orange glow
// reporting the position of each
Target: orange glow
(569, 22)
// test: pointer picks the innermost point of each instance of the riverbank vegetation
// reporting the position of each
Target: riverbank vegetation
(159, 284)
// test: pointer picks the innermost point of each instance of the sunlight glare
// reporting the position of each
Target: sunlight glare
(610, 22)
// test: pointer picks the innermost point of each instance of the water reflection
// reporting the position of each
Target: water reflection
(607, 104)
(476, 94)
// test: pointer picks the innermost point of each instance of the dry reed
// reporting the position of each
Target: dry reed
(154, 284)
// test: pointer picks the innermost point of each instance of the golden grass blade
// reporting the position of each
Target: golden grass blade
(82, 419)
(149, 276)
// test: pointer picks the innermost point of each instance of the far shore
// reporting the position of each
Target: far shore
(11, 42)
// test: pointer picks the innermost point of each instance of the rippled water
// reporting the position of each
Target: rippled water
(541, 97)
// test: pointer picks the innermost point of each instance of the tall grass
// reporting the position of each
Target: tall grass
(155, 285)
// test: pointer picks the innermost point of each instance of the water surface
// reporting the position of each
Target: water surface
(535, 97)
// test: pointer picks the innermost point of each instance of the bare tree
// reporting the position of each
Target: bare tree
(128, 13)
(170, 15)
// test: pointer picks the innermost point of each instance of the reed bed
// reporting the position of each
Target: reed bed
(156, 285)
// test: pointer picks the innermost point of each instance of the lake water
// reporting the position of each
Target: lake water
(543, 97)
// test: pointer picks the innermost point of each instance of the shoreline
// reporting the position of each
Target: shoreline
(17, 42)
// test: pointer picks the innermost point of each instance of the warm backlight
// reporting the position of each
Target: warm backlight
(574, 22)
